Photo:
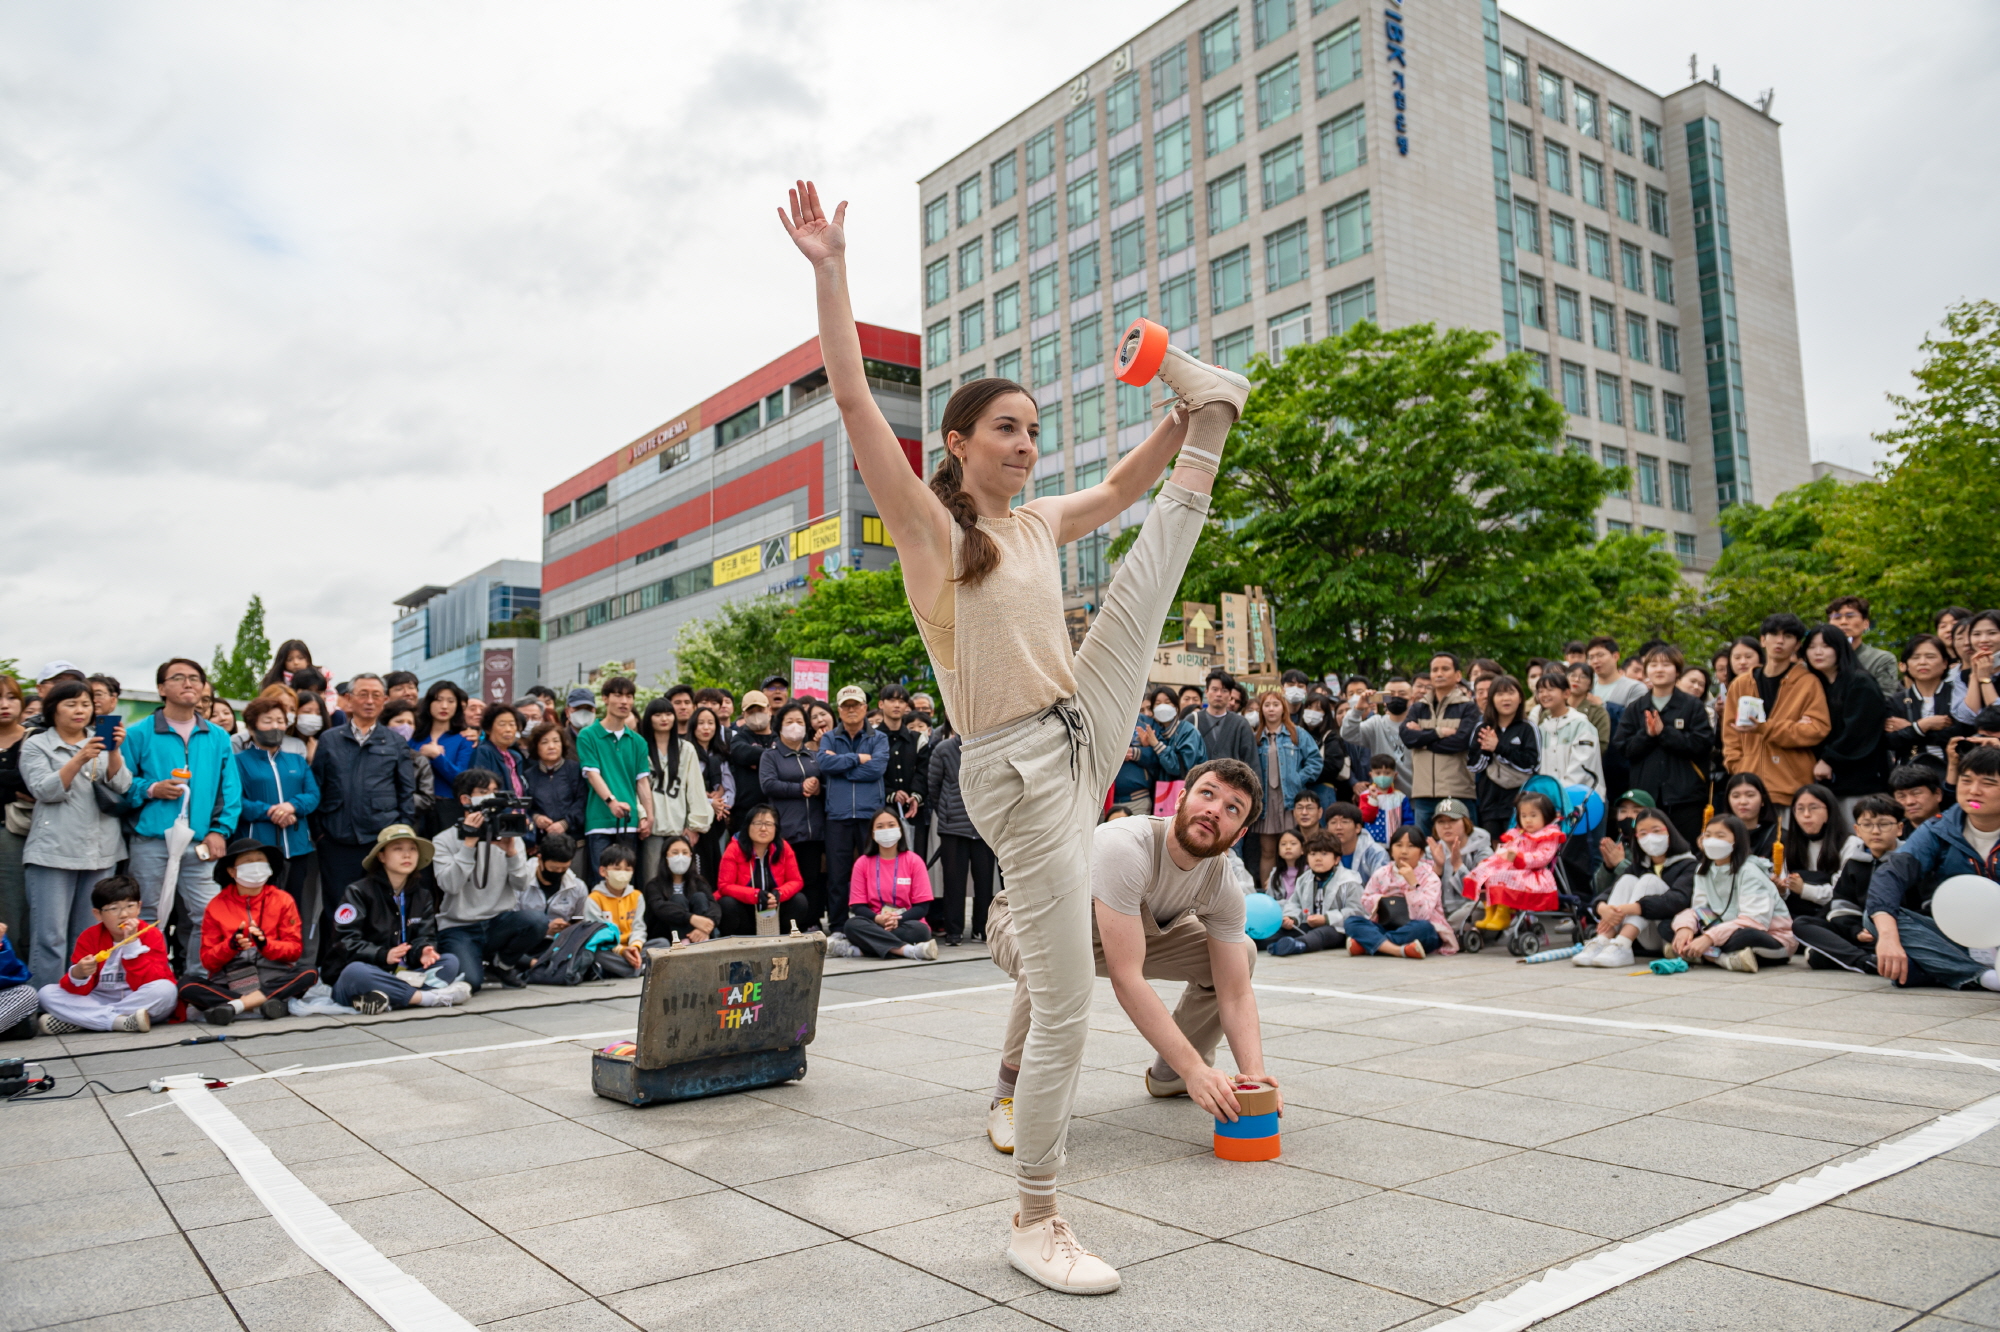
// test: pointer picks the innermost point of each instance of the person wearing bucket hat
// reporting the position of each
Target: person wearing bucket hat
(251, 939)
(386, 927)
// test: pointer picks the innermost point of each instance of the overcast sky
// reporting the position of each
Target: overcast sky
(315, 300)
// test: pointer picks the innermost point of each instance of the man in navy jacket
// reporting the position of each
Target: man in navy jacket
(853, 759)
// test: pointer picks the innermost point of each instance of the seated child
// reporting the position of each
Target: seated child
(1639, 897)
(251, 940)
(1842, 938)
(617, 903)
(887, 898)
(18, 1005)
(1326, 894)
(679, 901)
(118, 977)
(1517, 877)
(1410, 877)
(386, 932)
(1380, 803)
(1291, 864)
(1738, 916)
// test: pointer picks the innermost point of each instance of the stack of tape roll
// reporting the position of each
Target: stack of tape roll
(1254, 1135)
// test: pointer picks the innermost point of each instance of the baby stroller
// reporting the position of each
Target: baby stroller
(1579, 810)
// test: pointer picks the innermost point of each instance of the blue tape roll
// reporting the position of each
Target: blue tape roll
(1249, 1126)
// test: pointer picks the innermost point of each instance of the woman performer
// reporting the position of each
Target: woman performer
(1045, 729)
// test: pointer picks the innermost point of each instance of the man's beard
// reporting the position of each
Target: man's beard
(1186, 825)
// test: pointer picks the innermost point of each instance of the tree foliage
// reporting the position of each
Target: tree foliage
(862, 624)
(236, 674)
(736, 647)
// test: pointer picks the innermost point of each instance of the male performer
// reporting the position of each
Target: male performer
(1163, 910)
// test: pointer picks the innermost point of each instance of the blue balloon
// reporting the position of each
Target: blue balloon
(1261, 915)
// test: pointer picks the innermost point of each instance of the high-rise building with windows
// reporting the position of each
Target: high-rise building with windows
(1254, 174)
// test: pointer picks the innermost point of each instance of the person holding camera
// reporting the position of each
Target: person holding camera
(481, 865)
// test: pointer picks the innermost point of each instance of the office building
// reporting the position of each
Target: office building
(483, 632)
(1259, 174)
(746, 494)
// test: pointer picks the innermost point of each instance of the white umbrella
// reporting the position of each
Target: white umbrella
(178, 837)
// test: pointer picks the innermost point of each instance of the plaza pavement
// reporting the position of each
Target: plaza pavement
(1432, 1158)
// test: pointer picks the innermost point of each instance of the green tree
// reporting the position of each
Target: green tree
(862, 624)
(736, 647)
(237, 674)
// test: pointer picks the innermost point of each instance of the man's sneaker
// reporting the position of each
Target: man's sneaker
(1286, 945)
(1165, 1088)
(1592, 946)
(219, 1016)
(1000, 1124)
(507, 976)
(55, 1026)
(1615, 953)
(1049, 1253)
(372, 1004)
(277, 1008)
(1740, 960)
(139, 1021)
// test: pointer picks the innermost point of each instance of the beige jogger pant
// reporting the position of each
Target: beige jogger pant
(1035, 789)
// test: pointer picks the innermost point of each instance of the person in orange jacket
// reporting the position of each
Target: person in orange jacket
(251, 940)
(1774, 716)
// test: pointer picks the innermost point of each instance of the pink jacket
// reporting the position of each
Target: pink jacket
(876, 885)
(1426, 899)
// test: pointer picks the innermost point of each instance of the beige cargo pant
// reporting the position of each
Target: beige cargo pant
(1035, 790)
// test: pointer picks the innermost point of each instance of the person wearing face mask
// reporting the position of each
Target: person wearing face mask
(1738, 917)
(288, 701)
(887, 899)
(279, 792)
(680, 901)
(251, 941)
(1162, 749)
(554, 891)
(309, 721)
(1638, 897)
(617, 902)
(1374, 722)
(399, 717)
(579, 711)
(1295, 685)
(788, 775)
(748, 740)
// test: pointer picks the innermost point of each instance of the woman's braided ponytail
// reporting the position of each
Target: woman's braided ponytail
(979, 556)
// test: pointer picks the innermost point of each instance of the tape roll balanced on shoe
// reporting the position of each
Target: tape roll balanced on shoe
(1141, 351)
(1254, 1135)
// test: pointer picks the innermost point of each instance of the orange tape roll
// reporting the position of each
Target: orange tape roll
(1140, 352)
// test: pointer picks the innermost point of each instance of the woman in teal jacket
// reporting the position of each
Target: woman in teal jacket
(1288, 759)
(1164, 746)
(279, 791)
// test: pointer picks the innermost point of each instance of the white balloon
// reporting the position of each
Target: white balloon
(1967, 909)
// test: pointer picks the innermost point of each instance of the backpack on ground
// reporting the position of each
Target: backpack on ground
(572, 958)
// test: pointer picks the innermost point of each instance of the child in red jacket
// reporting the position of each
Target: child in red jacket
(250, 940)
(118, 978)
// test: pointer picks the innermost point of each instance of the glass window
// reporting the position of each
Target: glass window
(1173, 149)
(1044, 291)
(1514, 76)
(1045, 364)
(1222, 122)
(1006, 244)
(1287, 256)
(1291, 329)
(1597, 252)
(1228, 200)
(1170, 76)
(976, 372)
(1042, 223)
(1569, 314)
(1229, 280)
(1346, 308)
(937, 220)
(937, 343)
(1128, 175)
(1534, 307)
(968, 201)
(1041, 155)
(1284, 172)
(1673, 410)
(1080, 131)
(972, 327)
(1556, 159)
(1590, 181)
(1177, 225)
(1552, 95)
(1656, 210)
(1585, 104)
(1343, 144)
(937, 280)
(1617, 526)
(1177, 303)
(1350, 231)
(1007, 309)
(971, 262)
(1636, 342)
(1538, 370)
(1576, 389)
(1086, 343)
(1603, 326)
(1648, 473)
(1085, 274)
(1005, 172)
(1051, 438)
(1234, 352)
(1680, 488)
(1121, 105)
(1610, 399)
(1670, 348)
(1621, 128)
(1527, 228)
(1270, 19)
(1337, 59)
(1082, 200)
(1221, 46)
(1562, 239)
(1521, 151)
(1684, 547)
(1642, 421)
(1663, 278)
(559, 518)
(1135, 406)
(1627, 190)
(1632, 266)
(774, 407)
(1615, 458)
(1128, 249)
(937, 396)
(1277, 92)
(1653, 146)
(1007, 365)
(1127, 310)
(1089, 408)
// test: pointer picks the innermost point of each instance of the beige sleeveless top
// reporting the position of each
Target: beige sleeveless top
(1000, 647)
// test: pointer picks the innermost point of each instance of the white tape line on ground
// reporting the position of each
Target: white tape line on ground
(405, 1303)
(1564, 1289)
(1941, 1055)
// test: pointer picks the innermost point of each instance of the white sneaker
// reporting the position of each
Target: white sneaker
(837, 945)
(1592, 946)
(1740, 960)
(929, 949)
(49, 1025)
(139, 1021)
(1197, 383)
(1049, 1252)
(1000, 1125)
(460, 992)
(1615, 953)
